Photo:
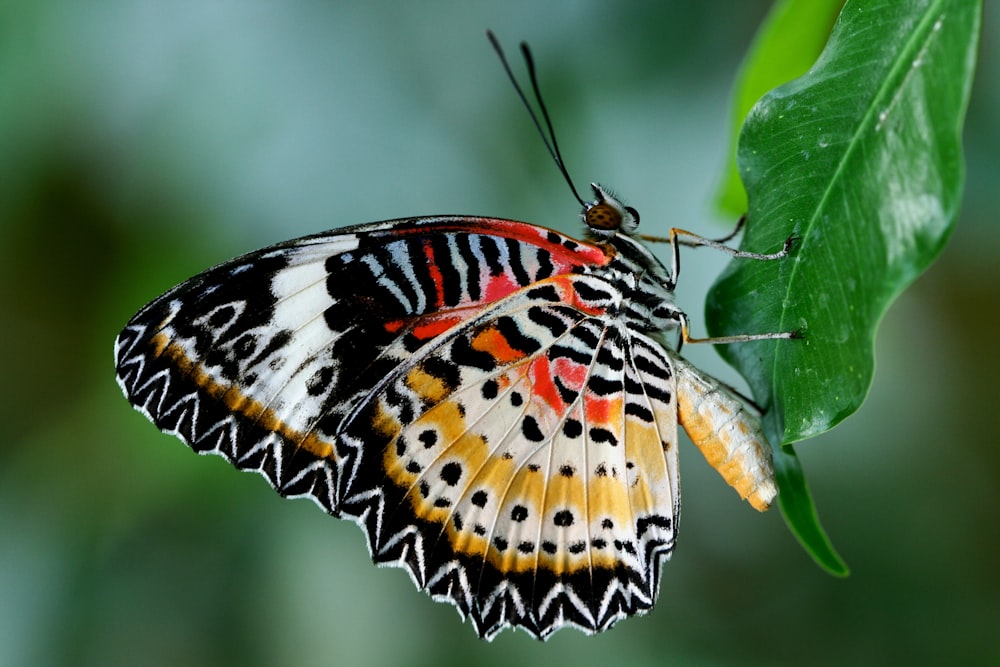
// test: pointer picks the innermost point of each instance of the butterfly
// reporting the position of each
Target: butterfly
(493, 402)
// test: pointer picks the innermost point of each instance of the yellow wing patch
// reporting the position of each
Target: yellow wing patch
(523, 497)
(236, 401)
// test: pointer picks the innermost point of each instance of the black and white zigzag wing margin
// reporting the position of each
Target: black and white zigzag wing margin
(225, 362)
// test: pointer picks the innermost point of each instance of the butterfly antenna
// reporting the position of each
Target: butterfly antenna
(548, 139)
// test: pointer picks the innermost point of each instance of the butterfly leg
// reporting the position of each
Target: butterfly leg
(679, 237)
(686, 336)
(740, 224)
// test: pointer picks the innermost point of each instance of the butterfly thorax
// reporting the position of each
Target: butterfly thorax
(644, 285)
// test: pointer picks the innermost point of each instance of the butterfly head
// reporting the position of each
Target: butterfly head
(606, 216)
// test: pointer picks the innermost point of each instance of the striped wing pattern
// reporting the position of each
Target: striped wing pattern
(472, 392)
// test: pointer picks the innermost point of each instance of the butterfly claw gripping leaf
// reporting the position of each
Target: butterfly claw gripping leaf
(485, 398)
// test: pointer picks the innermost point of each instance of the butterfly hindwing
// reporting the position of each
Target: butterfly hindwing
(523, 469)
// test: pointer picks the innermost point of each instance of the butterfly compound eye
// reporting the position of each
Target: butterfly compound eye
(603, 217)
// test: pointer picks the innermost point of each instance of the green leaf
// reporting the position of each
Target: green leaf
(786, 45)
(800, 514)
(861, 161)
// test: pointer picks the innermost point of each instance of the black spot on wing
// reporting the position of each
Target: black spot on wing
(451, 473)
(575, 355)
(530, 429)
(464, 354)
(447, 372)
(444, 262)
(490, 389)
(516, 263)
(516, 338)
(638, 410)
(608, 358)
(566, 394)
(545, 267)
(572, 428)
(563, 518)
(318, 384)
(490, 249)
(543, 293)
(650, 367)
(590, 293)
(644, 523)
(586, 335)
(544, 317)
(603, 386)
(598, 434)
(463, 244)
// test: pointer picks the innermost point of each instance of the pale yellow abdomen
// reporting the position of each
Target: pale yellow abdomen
(730, 438)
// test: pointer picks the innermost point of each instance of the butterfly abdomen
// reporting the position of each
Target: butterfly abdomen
(731, 439)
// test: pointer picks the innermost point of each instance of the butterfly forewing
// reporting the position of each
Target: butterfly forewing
(290, 337)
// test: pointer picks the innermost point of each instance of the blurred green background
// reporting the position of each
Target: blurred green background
(141, 142)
